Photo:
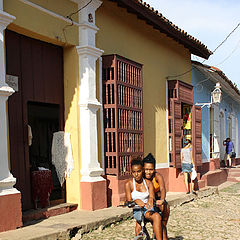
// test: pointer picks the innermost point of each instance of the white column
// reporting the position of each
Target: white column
(216, 127)
(7, 181)
(89, 105)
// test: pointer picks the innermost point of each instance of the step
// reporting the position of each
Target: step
(233, 179)
(234, 174)
(234, 170)
(216, 177)
(32, 215)
(201, 184)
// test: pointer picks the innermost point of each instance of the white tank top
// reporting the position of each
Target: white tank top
(139, 195)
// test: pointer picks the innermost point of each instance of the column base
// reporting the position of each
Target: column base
(212, 165)
(94, 195)
(11, 211)
(115, 190)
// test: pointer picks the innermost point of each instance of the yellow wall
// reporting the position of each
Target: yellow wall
(36, 24)
(124, 34)
(72, 120)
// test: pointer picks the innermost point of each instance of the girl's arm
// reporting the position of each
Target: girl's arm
(192, 158)
(161, 183)
(128, 192)
(149, 203)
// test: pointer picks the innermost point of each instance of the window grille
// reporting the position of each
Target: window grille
(123, 113)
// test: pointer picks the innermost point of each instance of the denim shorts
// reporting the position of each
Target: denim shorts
(137, 213)
(187, 167)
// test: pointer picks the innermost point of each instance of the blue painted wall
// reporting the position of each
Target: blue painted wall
(202, 94)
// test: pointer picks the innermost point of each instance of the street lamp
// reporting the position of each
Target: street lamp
(217, 93)
(216, 96)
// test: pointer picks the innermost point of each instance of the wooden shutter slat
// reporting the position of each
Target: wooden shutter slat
(197, 134)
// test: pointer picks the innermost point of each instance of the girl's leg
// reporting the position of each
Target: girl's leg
(165, 216)
(229, 160)
(192, 183)
(156, 221)
(137, 228)
(186, 181)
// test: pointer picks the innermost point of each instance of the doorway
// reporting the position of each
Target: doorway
(43, 121)
(37, 68)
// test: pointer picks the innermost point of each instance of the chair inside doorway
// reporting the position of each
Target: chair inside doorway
(43, 121)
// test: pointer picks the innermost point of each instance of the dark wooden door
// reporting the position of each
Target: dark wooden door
(39, 68)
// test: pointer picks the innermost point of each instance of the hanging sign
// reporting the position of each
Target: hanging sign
(12, 82)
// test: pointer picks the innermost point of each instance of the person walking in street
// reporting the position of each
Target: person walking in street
(141, 191)
(229, 147)
(159, 189)
(187, 164)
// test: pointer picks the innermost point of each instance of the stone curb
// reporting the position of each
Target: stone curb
(99, 224)
(75, 232)
(173, 203)
(190, 197)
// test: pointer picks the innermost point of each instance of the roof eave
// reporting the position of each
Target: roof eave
(163, 26)
(215, 77)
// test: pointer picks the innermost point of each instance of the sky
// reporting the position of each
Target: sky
(210, 21)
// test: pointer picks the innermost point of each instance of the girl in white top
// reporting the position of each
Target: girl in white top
(187, 164)
(141, 191)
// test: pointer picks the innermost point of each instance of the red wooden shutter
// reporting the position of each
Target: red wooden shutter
(197, 134)
(123, 113)
(175, 133)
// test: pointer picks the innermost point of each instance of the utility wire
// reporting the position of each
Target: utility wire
(225, 59)
(179, 75)
(226, 38)
(70, 15)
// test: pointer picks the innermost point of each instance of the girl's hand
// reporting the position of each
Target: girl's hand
(159, 202)
(140, 203)
(149, 203)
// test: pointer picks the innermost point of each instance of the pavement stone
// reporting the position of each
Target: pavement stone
(215, 217)
(73, 225)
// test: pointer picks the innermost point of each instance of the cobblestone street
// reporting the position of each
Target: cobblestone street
(215, 217)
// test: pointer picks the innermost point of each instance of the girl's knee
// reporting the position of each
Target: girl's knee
(156, 217)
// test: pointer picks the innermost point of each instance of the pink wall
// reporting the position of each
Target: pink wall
(11, 212)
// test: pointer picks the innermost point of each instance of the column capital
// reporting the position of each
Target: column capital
(87, 25)
(5, 19)
(89, 51)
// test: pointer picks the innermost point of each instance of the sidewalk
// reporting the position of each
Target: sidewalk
(75, 223)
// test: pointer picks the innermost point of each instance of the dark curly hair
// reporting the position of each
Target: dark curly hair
(136, 160)
(150, 159)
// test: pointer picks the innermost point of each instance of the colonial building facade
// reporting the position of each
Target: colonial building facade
(110, 74)
(220, 120)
